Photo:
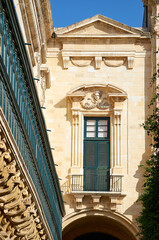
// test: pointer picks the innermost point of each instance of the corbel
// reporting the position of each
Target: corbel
(66, 62)
(46, 72)
(98, 61)
(130, 62)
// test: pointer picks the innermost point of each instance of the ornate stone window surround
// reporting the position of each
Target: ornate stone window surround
(112, 107)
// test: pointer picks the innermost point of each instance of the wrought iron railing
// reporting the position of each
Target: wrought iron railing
(102, 183)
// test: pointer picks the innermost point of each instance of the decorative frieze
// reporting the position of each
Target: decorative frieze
(114, 62)
(110, 59)
(78, 62)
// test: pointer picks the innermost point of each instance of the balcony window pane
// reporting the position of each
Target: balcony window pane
(102, 122)
(102, 128)
(91, 122)
(91, 128)
(102, 134)
(91, 134)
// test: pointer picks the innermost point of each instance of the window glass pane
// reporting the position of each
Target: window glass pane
(102, 128)
(91, 128)
(91, 122)
(102, 122)
(91, 134)
(102, 134)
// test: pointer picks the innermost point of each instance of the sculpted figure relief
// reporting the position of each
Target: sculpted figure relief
(95, 99)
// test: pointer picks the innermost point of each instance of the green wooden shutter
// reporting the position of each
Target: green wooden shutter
(103, 166)
(89, 179)
(90, 154)
(89, 165)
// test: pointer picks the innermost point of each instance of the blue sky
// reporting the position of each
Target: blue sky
(67, 12)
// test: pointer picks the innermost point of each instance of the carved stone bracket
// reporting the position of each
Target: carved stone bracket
(130, 62)
(101, 200)
(66, 62)
(46, 72)
(98, 61)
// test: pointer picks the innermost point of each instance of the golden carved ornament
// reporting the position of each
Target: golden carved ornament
(19, 219)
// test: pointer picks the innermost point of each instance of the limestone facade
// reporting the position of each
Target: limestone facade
(100, 68)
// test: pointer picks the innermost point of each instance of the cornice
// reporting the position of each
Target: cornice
(103, 36)
(47, 15)
(103, 19)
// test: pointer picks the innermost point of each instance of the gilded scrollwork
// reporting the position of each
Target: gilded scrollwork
(19, 218)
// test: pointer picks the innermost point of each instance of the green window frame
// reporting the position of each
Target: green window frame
(96, 154)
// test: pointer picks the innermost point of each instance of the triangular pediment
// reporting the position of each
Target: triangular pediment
(98, 25)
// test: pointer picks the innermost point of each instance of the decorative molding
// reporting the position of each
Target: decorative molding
(117, 137)
(75, 137)
(96, 95)
(114, 62)
(81, 62)
(111, 59)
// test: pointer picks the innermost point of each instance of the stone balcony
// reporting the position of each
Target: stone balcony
(106, 193)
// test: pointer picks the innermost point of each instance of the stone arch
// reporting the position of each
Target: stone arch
(110, 87)
(102, 221)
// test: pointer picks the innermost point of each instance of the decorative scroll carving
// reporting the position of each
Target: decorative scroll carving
(18, 216)
(114, 62)
(96, 99)
(81, 62)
